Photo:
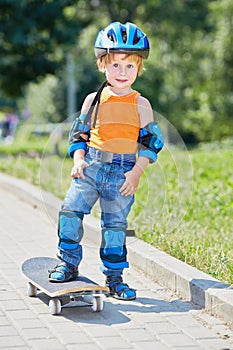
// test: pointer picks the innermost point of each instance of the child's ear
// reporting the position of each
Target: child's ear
(101, 67)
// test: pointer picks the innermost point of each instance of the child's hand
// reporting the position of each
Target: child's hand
(77, 170)
(131, 183)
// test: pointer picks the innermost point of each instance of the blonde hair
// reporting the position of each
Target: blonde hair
(132, 57)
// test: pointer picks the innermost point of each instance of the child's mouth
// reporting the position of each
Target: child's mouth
(121, 80)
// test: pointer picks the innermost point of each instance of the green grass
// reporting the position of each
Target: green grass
(183, 204)
(193, 221)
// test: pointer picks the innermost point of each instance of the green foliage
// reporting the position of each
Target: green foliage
(34, 140)
(39, 99)
(34, 36)
(188, 76)
(24, 168)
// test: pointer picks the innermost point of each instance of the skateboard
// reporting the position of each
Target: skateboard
(83, 289)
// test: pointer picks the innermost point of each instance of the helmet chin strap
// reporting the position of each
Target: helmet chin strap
(95, 105)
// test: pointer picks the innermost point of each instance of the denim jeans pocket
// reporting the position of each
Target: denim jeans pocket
(125, 168)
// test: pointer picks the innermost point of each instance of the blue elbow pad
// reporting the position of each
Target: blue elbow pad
(79, 135)
(150, 141)
(77, 129)
(152, 156)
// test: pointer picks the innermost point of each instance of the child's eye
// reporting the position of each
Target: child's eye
(130, 66)
(116, 65)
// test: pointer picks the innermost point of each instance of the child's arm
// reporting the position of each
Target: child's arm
(77, 149)
(79, 164)
(150, 137)
(133, 176)
(145, 111)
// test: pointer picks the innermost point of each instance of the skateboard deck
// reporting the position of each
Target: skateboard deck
(35, 270)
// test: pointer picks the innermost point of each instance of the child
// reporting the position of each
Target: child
(103, 143)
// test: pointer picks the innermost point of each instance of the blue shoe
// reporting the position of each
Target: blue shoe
(63, 273)
(120, 290)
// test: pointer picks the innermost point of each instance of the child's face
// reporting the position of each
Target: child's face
(121, 72)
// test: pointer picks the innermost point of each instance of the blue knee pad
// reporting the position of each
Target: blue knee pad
(113, 251)
(70, 229)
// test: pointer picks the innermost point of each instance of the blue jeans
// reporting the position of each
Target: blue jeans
(102, 181)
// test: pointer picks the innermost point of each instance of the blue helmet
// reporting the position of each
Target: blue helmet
(125, 38)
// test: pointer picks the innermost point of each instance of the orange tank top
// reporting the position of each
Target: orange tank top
(117, 126)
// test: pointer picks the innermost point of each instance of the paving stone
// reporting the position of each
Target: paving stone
(162, 328)
(7, 331)
(68, 337)
(29, 323)
(37, 333)
(13, 305)
(42, 344)
(89, 346)
(11, 340)
(113, 343)
(200, 332)
(151, 345)
(216, 344)
(136, 335)
(177, 339)
(4, 321)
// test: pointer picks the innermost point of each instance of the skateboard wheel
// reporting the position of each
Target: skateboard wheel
(31, 290)
(55, 306)
(97, 304)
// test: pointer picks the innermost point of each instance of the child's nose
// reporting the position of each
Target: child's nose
(122, 70)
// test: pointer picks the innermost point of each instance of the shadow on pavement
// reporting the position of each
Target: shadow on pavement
(117, 311)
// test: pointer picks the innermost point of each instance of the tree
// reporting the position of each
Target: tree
(34, 37)
(188, 76)
(221, 82)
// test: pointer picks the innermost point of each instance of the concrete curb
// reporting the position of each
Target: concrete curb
(184, 280)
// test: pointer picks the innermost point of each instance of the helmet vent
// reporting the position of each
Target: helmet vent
(136, 39)
(124, 36)
(111, 36)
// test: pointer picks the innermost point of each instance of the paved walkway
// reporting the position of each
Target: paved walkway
(157, 320)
